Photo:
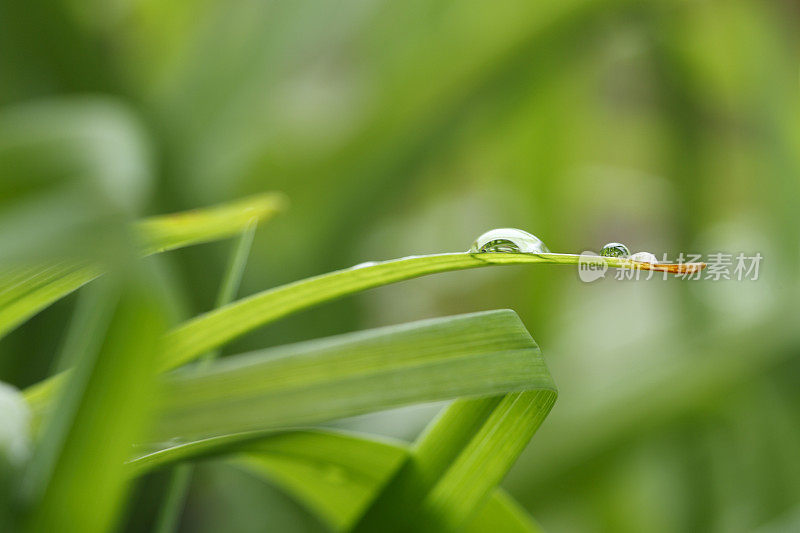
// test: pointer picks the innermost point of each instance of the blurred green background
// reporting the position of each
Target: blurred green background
(400, 128)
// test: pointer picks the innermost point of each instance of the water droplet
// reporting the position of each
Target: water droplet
(508, 240)
(644, 257)
(364, 264)
(615, 249)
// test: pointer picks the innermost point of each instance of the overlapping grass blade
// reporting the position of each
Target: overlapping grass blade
(334, 474)
(482, 354)
(488, 355)
(180, 479)
(458, 462)
(217, 327)
(24, 291)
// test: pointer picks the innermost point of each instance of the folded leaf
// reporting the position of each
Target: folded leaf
(482, 354)
(333, 473)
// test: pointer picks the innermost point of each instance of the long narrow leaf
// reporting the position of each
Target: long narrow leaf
(25, 291)
(213, 329)
(107, 400)
(168, 232)
(217, 327)
(482, 354)
(180, 478)
(334, 474)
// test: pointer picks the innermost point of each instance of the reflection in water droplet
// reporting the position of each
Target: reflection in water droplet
(644, 257)
(508, 240)
(364, 264)
(615, 249)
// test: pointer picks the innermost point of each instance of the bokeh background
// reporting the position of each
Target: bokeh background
(400, 128)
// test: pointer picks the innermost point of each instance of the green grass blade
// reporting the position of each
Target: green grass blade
(458, 462)
(168, 232)
(501, 514)
(37, 296)
(85, 486)
(169, 514)
(217, 327)
(334, 474)
(81, 349)
(482, 354)
(213, 329)
(26, 291)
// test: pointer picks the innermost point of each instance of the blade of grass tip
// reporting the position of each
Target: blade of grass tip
(458, 462)
(26, 291)
(480, 354)
(181, 476)
(168, 232)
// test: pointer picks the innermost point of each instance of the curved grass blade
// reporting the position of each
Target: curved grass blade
(168, 232)
(217, 327)
(213, 329)
(25, 291)
(333, 473)
(482, 354)
(457, 464)
(36, 295)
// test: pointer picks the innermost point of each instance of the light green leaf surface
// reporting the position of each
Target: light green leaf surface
(167, 232)
(482, 354)
(25, 291)
(457, 464)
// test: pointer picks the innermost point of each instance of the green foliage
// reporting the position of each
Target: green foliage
(403, 128)
(90, 414)
(102, 410)
(27, 290)
(471, 355)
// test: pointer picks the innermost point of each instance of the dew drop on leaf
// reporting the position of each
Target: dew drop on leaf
(615, 249)
(644, 257)
(508, 240)
(364, 265)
